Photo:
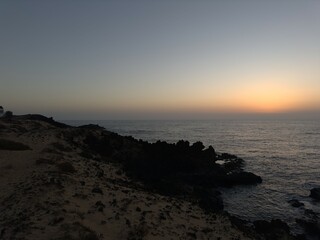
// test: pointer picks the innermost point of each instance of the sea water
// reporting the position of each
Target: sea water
(285, 153)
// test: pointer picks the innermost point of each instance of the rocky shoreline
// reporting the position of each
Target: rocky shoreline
(64, 182)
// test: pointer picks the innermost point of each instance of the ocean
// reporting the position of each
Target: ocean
(285, 153)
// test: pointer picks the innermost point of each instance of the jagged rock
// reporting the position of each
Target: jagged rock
(210, 153)
(310, 222)
(39, 117)
(242, 178)
(310, 226)
(209, 200)
(92, 127)
(295, 203)
(197, 147)
(227, 156)
(274, 230)
(8, 115)
(315, 193)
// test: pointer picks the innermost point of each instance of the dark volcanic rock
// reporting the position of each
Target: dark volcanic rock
(92, 127)
(227, 156)
(242, 178)
(211, 203)
(310, 222)
(295, 203)
(315, 193)
(173, 169)
(209, 200)
(312, 227)
(276, 229)
(8, 115)
(39, 117)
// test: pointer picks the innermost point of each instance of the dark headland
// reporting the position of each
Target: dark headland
(64, 182)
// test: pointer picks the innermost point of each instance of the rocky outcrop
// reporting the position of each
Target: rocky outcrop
(38, 117)
(311, 223)
(243, 178)
(177, 170)
(174, 169)
(273, 230)
(7, 115)
(209, 199)
(315, 193)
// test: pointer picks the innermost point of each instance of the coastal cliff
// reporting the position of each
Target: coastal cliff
(64, 182)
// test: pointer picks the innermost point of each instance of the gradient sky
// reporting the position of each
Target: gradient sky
(123, 59)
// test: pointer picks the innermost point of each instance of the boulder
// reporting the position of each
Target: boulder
(8, 115)
(310, 222)
(276, 229)
(315, 193)
(211, 203)
(311, 227)
(92, 127)
(210, 153)
(209, 199)
(295, 203)
(243, 178)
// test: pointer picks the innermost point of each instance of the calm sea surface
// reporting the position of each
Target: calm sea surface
(286, 154)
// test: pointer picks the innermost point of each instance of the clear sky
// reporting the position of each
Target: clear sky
(166, 58)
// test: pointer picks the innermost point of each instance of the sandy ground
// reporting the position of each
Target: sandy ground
(42, 197)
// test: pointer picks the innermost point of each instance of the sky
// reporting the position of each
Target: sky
(160, 59)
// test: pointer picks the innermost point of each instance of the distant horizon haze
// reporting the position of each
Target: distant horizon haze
(174, 115)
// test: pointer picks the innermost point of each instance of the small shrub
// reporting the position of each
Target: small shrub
(8, 167)
(77, 231)
(50, 150)
(90, 236)
(86, 154)
(12, 145)
(138, 232)
(61, 147)
(66, 167)
(44, 161)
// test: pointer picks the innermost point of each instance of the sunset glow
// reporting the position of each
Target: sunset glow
(98, 60)
(269, 97)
